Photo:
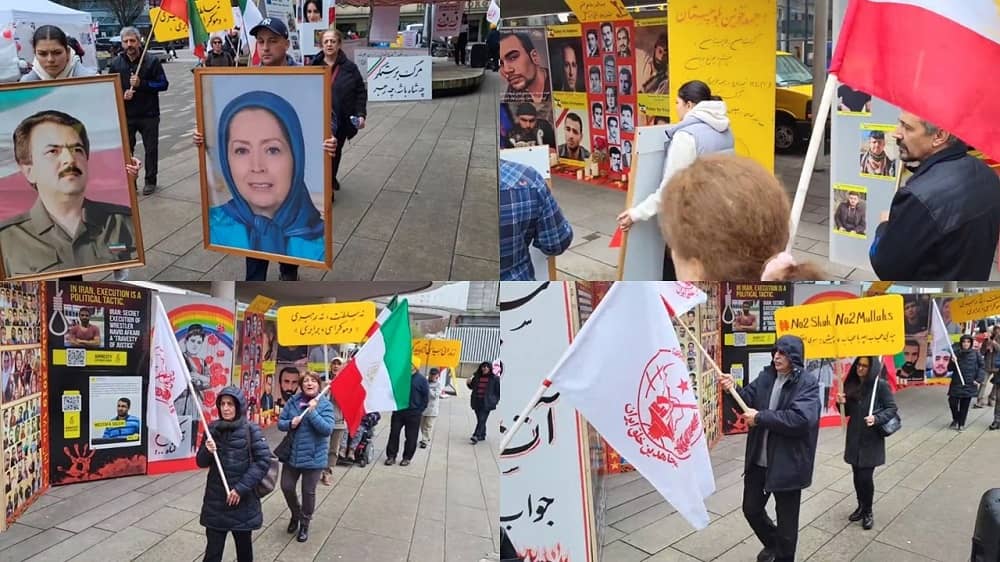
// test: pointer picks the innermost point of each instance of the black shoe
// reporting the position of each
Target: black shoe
(868, 521)
(404, 462)
(390, 461)
(857, 515)
(994, 425)
(423, 444)
(303, 532)
(293, 526)
(977, 406)
(954, 425)
(148, 189)
(473, 440)
(766, 555)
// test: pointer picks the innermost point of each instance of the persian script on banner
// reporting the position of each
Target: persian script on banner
(846, 328)
(399, 78)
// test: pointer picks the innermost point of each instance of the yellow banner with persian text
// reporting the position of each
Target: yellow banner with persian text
(317, 324)
(168, 26)
(846, 328)
(599, 10)
(730, 46)
(438, 353)
(216, 15)
(975, 307)
(260, 304)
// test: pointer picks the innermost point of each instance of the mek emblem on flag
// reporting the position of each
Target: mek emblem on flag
(662, 421)
(164, 380)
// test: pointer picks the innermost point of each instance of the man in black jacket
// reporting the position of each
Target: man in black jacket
(781, 446)
(945, 223)
(408, 419)
(142, 88)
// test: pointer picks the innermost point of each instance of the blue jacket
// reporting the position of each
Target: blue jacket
(793, 427)
(132, 427)
(225, 231)
(311, 440)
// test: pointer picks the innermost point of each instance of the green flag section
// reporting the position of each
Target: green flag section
(377, 379)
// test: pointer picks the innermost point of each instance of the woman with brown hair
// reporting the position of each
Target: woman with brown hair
(726, 218)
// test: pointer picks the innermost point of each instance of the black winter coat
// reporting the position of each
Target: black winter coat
(492, 398)
(865, 446)
(145, 100)
(944, 224)
(242, 475)
(349, 94)
(793, 428)
(973, 370)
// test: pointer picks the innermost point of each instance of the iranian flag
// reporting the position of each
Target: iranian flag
(251, 16)
(929, 57)
(183, 10)
(377, 378)
(383, 315)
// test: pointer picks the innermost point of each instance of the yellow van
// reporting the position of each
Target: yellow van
(792, 103)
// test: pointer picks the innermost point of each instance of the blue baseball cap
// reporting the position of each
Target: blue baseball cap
(275, 25)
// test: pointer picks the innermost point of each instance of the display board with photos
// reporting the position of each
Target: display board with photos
(23, 449)
(748, 336)
(709, 400)
(526, 117)
(97, 348)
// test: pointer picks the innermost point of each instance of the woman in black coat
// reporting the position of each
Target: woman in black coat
(233, 437)
(965, 386)
(865, 446)
(485, 387)
(348, 91)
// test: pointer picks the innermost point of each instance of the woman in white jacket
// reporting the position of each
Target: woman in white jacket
(703, 129)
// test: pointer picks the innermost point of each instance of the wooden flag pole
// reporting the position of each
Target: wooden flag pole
(819, 131)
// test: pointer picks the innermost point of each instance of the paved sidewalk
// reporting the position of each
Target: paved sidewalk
(441, 508)
(926, 498)
(418, 197)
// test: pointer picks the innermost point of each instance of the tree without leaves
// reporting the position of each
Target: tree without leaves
(125, 11)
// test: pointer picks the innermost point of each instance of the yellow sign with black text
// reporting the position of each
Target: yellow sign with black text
(846, 328)
(976, 307)
(598, 10)
(317, 324)
(260, 305)
(438, 353)
(92, 358)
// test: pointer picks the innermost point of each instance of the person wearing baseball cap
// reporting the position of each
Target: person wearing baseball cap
(875, 161)
(272, 46)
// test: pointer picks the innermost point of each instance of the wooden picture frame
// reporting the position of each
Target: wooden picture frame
(640, 257)
(299, 88)
(90, 102)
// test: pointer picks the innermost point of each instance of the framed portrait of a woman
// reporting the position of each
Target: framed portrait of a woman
(68, 205)
(265, 180)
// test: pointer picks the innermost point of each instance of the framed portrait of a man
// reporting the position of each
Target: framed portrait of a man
(265, 181)
(69, 207)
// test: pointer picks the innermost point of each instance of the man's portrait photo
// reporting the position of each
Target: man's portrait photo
(614, 133)
(114, 407)
(624, 49)
(83, 332)
(597, 114)
(68, 202)
(609, 70)
(607, 37)
(568, 62)
(530, 128)
(615, 155)
(593, 49)
(573, 133)
(651, 63)
(747, 318)
(628, 119)
(523, 56)
(627, 154)
(625, 81)
(595, 80)
(611, 99)
(849, 216)
(875, 159)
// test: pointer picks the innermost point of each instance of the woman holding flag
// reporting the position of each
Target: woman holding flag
(965, 381)
(308, 415)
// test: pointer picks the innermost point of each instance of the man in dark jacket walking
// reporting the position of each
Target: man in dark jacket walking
(781, 446)
(945, 223)
(142, 88)
(408, 419)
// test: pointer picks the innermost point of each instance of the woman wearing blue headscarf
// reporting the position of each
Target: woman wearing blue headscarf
(264, 167)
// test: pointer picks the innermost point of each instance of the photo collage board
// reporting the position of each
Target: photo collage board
(23, 456)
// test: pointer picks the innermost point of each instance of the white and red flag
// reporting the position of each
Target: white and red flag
(934, 58)
(167, 378)
(627, 374)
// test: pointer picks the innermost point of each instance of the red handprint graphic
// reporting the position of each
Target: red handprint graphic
(80, 458)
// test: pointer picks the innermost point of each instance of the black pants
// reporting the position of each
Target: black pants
(669, 273)
(336, 159)
(149, 128)
(257, 270)
(780, 538)
(310, 479)
(864, 486)
(959, 409)
(410, 421)
(482, 414)
(217, 544)
(460, 49)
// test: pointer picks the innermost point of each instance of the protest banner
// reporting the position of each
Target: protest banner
(438, 353)
(975, 307)
(847, 328)
(324, 323)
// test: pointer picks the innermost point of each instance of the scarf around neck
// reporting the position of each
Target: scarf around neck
(66, 72)
(297, 216)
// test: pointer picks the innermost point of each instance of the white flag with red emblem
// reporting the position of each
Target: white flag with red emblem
(627, 374)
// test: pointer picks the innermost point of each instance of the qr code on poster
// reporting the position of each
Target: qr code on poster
(72, 403)
(737, 372)
(76, 357)
(739, 339)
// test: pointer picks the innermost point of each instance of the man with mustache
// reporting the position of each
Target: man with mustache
(520, 66)
(63, 229)
(945, 223)
(84, 334)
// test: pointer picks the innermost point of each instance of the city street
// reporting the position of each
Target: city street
(418, 198)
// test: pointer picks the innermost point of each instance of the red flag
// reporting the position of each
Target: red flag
(178, 8)
(616, 239)
(889, 364)
(929, 51)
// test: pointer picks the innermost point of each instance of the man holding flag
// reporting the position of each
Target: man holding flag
(781, 446)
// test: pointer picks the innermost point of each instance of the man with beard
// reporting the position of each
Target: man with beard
(84, 334)
(624, 51)
(875, 161)
(129, 426)
(529, 130)
(597, 112)
(571, 70)
(573, 150)
(142, 88)
(608, 35)
(654, 68)
(850, 215)
(520, 66)
(592, 47)
(288, 380)
(63, 229)
(945, 223)
(595, 79)
(911, 355)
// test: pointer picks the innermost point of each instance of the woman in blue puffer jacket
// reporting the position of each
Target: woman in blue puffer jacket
(309, 416)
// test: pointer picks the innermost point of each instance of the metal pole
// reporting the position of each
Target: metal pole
(819, 67)
(788, 26)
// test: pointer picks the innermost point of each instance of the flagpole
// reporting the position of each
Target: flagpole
(152, 29)
(512, 430)
(815, 142)
(162, 311)
(732, 391)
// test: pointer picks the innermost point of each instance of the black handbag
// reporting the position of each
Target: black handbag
(890, 425)
(270, 480)
(284, 449)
